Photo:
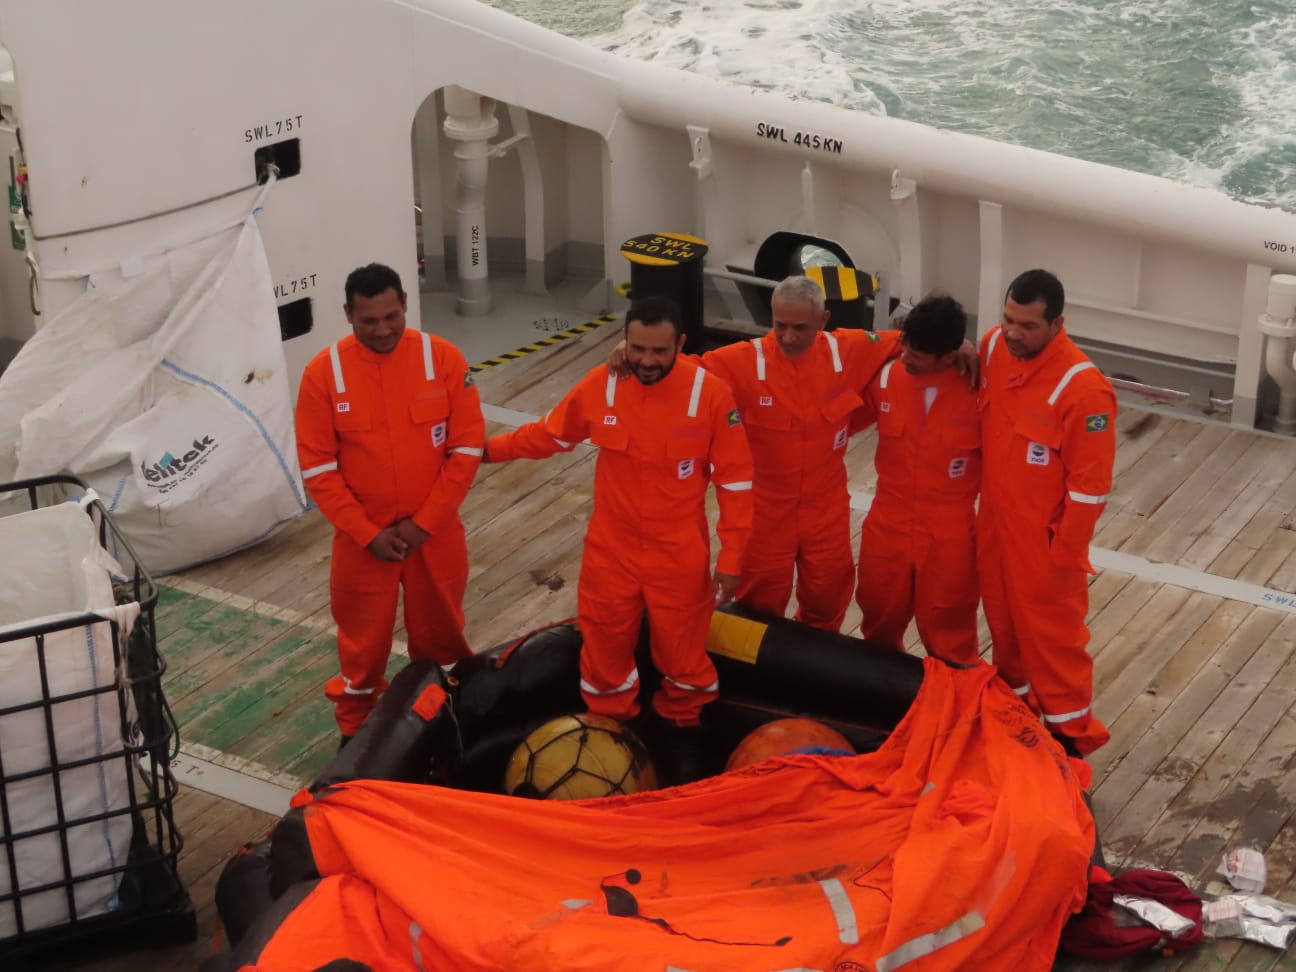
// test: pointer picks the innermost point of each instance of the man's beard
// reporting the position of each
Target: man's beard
(654, 374)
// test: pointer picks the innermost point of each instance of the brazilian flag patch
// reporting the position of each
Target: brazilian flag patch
(468, 379)
(873, 336)
(1096, 423)
(733, 416)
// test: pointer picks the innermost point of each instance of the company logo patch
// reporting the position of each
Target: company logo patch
(839, 440)
(767, 399)
(344, 406)
(469, 380)
(439, 434)
(1036, 454)
(685, 468)
(958, 467)
(171, 470)
(733, 416)
(884, 406)
(609, 420)
(1097, 423)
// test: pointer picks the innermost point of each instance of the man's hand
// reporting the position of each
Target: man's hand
(616, 361)
(968, 363)
(388, 546)
(726, 585)
(410, 533)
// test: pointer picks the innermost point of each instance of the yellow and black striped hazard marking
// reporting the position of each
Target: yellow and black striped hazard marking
(543, 343)
(843, 283)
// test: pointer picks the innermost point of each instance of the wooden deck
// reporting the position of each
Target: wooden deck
(1196, 684)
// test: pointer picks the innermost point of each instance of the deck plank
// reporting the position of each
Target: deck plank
(1195, 688)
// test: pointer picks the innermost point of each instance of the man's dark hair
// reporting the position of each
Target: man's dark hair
(936, 325)
(371, 281)
(656, 310)
(1036, 285)
(347, 965)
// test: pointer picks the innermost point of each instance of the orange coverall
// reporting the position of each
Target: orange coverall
(648, 543)
(917, 549)
(797, 412)
(1048, 428)
(382, 437)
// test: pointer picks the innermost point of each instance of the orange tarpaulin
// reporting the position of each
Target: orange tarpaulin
(963, 843)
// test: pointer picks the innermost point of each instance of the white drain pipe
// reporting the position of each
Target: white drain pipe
(1278, 324)
(470, 123)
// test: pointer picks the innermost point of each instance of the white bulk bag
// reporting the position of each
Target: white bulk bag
(165, 388)
(53, 568)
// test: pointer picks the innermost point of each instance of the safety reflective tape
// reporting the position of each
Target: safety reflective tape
(847, 927)
(760, 359)
(836, 353)
(994, 339)
(696, 397)
(1023, 690)
(713, 687)
(428, 372)
(611, 389)
(565, 445)
(316, 470)
(1066, 716)
(1074, 370)
(625, 686)
(736, 487)
(469, 451)
(1095, 499)
(924, 945)
(336, 359)
(415, 933)
(886, 374)
(349, 690)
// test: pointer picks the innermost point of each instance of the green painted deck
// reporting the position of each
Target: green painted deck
(1197, 686)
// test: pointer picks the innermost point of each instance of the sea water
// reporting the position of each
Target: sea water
(1201, 91)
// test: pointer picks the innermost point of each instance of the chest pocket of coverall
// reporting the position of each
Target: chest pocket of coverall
(1040, 439)
(1038, 431)
(836, 412)
(772, 416)
(351, 423)
(430, 409)
(615, 437)
(889, 423)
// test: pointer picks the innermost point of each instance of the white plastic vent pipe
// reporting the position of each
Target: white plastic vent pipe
(1278, 324)
(470, 123)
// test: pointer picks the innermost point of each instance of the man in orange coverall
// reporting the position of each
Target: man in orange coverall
(389, 434)
(1048, 430)
(661, 435)
(796, 389)
(917, 552)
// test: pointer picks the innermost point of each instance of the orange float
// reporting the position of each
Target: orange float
(783, 737)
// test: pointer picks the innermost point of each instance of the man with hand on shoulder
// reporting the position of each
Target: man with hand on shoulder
(663, 432)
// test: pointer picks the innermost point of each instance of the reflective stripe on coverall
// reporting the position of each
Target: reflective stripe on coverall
(917, 552)
(1048, 429)
(797, 412)
(382, 437)
(648, 543)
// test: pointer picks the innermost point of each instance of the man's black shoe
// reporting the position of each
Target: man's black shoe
(344, 740)
(681, 757)
(1068, 745)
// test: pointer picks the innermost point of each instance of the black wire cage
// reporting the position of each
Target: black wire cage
(88, 860)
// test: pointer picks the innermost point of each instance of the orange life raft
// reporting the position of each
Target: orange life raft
(958, 839)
